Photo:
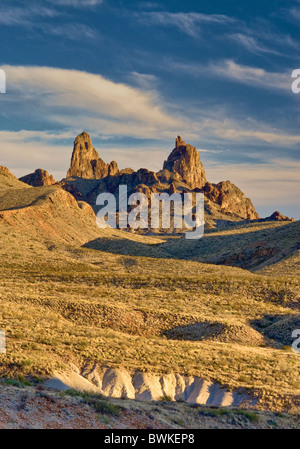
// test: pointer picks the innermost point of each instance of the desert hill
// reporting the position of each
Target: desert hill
(44, 212)
(8, 180)
(157, 308)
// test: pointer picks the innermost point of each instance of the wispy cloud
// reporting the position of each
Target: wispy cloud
(259, 40)
(188, 23)
(71, 98)
(253, 76)
(77, 3)
(72, 31)
(12, 16)
(234, 131)
(143, 80)
(150, 5)
(69, 101)
(43, 20)
(294, 14)
(230, 70)
(252, 44)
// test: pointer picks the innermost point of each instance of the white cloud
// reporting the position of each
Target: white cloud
(143, 80)
(252, 75)
(252, 44)
(186, 22)
(71, 101)
(150, 5)
(72, 31)
(73, 97)
(295, 14)
(229, 69)
(233, 131)
(13, 16)
(77, 3)
(42, 20)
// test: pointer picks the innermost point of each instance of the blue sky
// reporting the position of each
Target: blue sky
(134, 74)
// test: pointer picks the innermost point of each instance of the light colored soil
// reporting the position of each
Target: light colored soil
(35, 408)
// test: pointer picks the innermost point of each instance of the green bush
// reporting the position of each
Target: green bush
(104, 407)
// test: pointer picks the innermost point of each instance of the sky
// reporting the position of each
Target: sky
(135, 74)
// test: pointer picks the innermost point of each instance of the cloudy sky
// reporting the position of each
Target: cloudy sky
(135, 74)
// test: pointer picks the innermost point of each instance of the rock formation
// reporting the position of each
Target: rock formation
(185, 161)
(145, 176)
(38, 179)
(231, 199)
(6, 172)
(182, 172)
(277, 216)
(86, 163)
(146, 386)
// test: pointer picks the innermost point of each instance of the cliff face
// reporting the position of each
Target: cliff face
(182, 172)
(85, 161)
(185, 161)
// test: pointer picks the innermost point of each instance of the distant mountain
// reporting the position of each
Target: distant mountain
(182, 172)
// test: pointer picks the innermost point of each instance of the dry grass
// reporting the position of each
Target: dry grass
(63, 301)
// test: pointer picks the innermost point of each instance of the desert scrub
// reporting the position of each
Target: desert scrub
(19, 382)
(122, 305)
(103, 407)
(214, 412)
(85, 395)
(251, 416)
(217, 412)
(165, 398)
(97, 401)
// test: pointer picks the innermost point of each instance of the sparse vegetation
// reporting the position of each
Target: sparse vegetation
(97, 401)
(71, 292)
(20, 382)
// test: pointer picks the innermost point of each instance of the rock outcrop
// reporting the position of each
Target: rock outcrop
(182, 172)
(277, 216)
(86, 163)
(231, 199)
(8, 180)
(6, 172)
(39, 178)
(144, 386)
(185, 161)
